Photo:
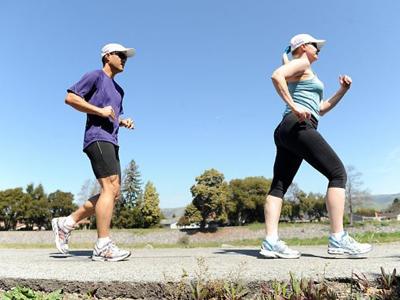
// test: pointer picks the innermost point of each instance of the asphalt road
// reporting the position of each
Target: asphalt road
(161, 265)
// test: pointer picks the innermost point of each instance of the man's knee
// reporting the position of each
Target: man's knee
(112, 184)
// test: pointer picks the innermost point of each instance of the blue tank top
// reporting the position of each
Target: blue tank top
(307, 93)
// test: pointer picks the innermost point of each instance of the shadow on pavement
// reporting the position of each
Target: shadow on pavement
(256, 253)
(333, 256)
(79, 253)
(248, 252)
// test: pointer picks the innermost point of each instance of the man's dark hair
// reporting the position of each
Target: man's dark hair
(103, 60)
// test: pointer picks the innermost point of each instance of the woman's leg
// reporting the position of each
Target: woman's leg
(319, 154)
(285, 168)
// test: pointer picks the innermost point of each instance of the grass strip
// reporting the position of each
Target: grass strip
(366, 237)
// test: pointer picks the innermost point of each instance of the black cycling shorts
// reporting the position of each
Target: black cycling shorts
(104, 158)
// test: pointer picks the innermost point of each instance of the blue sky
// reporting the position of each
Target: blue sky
(198, 89)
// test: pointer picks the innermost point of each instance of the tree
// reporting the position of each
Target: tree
(210, 195)
(395, 206)
(38, 213)
(132, 185)
(355, 195)
(127, 209)
(14, 207)
(61, 204)
(89, 189)
(191, 215)
(150, 207)
(246, 199)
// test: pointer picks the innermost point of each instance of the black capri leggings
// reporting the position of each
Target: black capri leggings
(296, 141)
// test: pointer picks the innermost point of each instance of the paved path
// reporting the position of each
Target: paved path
(160, 265)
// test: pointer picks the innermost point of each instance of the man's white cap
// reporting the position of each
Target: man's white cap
(304, 38)
(117, 47)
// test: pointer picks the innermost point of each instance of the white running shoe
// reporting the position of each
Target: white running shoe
(278, 250)
(61, 233)
(347, 245)
(110, 252)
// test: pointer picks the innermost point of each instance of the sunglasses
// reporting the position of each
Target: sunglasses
(121, 55)
(315, 46)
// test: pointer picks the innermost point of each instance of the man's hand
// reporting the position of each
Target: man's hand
(128, 123)
(107, 112)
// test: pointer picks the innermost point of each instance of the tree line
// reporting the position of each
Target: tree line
(31, 208)
(241, 201)
(214, 202)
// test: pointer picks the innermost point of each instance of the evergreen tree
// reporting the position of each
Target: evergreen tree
(127, 209)
(150, 207)
(132, 185)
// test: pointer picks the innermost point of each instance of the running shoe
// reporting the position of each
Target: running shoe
(278, 250)
(61, 233)
(109, 252)
(347, 245)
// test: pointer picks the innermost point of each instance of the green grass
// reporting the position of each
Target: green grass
(367, 237)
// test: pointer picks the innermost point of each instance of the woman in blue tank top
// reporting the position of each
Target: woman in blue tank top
(297, 139)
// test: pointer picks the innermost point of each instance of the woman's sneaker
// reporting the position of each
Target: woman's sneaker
(278, 250)
(109, 252)
(61, 233)
(347, 245)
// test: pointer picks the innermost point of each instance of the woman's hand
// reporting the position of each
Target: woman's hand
(345, 82)
(302, 114)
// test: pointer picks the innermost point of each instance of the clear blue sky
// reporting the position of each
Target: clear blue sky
(198, 89)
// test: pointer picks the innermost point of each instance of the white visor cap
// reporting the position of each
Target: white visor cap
(117, 47)
(305, 38)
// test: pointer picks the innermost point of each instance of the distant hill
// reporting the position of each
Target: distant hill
(170, 212)
(383, 201)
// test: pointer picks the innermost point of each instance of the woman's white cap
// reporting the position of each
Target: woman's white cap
(304, 38)
(117, 47)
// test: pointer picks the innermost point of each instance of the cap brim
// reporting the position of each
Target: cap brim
(320, 43)
(130, 52)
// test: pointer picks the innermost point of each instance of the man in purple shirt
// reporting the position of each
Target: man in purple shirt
(100, 97)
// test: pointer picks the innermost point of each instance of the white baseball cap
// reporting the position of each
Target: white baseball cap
(117, 47)
(304, 38)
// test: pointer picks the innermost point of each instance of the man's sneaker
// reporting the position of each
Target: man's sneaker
(347, 245)
(110, 252)
(280, 249)
(61, 233)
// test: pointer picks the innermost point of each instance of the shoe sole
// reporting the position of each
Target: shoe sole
(54, 226)
(273, 254)
(334, 251)
(101, 258)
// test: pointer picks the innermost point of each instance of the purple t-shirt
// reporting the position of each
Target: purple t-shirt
(100, 90)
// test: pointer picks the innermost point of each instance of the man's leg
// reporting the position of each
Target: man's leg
(110, 189)
(86, 210)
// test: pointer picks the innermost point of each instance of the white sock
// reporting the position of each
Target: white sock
(69, 222)
(338, 235)
(272, 239)
(101, 242)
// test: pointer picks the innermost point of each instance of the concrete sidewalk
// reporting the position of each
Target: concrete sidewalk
(168, 264)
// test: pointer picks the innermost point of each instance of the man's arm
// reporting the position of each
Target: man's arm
(82, 105)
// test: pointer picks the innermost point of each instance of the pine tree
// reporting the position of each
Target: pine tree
(131, 186)
(150, 208)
